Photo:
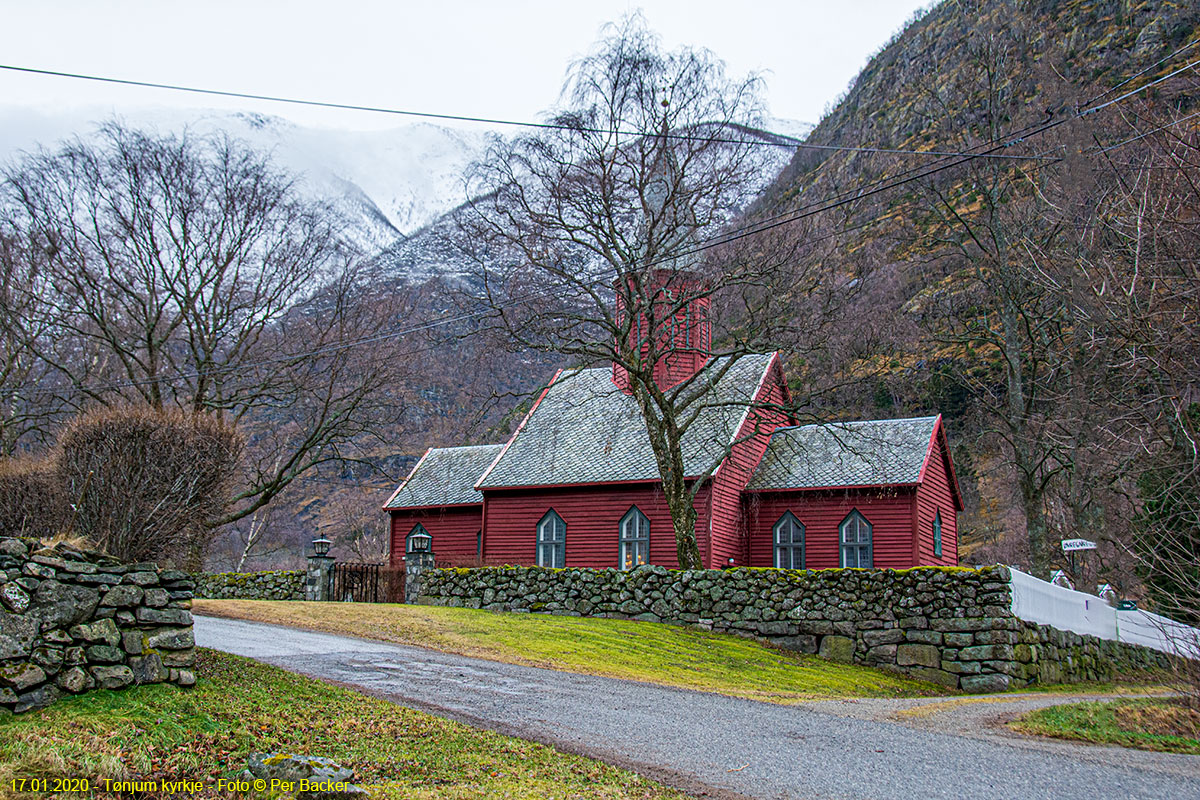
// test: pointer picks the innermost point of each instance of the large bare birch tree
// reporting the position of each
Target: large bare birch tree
(596, 234)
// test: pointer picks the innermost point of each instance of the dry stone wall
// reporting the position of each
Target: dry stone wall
(72, 620)
(271, 585)
(951, 626)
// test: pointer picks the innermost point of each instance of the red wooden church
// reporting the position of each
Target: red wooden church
(577, 485)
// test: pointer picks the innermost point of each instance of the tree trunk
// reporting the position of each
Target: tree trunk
(1035, 529)
(683, 515)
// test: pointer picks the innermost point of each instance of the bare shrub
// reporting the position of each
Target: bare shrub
(145, 484)
(30, 501)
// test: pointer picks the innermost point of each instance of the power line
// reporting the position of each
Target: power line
(715, 241)
(794, 216)
(782, 140)
(1144, 70)
(1140, 136)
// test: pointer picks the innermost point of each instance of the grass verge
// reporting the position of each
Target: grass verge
(1146, 724)
(161, 732)
(669, 655)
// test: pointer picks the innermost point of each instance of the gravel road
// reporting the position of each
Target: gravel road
(721, 746)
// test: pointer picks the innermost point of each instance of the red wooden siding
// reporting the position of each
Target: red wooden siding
(684, 338)
(592, 515)
(729, 536)
(454, 530)
(889, 511)
(936, 493)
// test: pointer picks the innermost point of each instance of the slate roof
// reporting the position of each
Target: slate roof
(445, 476)
(869, 453)
(586, 430)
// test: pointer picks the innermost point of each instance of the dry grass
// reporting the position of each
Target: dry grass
(1147, 724)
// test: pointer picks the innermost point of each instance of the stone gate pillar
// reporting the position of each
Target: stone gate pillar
(418, 557)
(320, 571)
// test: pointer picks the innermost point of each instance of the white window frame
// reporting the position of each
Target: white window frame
(864, 552)
(634, 534)
(552, 541)
(789, 547)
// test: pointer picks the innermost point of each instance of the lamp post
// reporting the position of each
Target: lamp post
(320, 570)
(418, 557)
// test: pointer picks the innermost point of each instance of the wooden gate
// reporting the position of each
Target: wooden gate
(357, 583)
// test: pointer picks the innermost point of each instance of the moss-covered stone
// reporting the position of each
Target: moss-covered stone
(837, 648)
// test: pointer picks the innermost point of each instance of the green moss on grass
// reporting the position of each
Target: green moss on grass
(162, 732)
(669, 655)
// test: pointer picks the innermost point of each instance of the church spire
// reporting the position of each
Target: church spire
(670, 322)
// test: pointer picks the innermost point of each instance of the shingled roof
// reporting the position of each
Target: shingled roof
(445, 476)
(586, 430)
(844, 454)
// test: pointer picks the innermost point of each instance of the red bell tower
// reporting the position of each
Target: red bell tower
(672, 328)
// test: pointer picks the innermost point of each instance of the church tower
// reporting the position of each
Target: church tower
(682, 337)
(672, 324)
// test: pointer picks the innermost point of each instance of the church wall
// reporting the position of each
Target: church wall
(592, 514)
(729, 539)
(454, 530)
(934, 495)
(890, 512)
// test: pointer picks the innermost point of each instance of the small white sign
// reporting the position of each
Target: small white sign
(1069, 545)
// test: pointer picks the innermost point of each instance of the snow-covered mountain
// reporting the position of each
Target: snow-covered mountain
(390, 183)
(428, 253)
(394, 186)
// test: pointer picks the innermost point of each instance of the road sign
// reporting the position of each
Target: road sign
(1071, 545)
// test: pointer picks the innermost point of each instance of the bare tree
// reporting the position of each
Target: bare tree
(999, 298)
(1143, 247)
(354, 525)
(187, 273)
(29, 414)
(595, 237)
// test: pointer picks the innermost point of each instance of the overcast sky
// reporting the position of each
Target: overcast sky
(471, 57)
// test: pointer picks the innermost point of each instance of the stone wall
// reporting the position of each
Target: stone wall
(272, 585)
(951, 626)
(73, 620)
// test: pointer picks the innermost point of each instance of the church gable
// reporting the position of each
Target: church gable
(887, 452)
(586, 430)
(445, 476)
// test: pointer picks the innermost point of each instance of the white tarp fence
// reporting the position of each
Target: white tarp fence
(1044, 603)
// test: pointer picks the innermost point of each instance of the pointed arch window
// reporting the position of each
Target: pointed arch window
(937, 533)
(855, 536)
(552, 541)
(635, 539)
(789, 542)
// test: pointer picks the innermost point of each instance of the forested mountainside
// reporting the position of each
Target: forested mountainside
(978, 287)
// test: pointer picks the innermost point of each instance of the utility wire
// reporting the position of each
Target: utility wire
(781, 139)
(795, 216)
(715, 241)
(1141, 136)
(1144, 70)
